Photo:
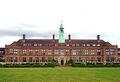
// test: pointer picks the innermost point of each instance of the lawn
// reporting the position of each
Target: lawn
(60, 74)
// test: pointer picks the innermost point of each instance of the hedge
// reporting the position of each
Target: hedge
(95, 65)
(49, 64)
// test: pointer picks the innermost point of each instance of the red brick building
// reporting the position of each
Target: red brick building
(62, 50)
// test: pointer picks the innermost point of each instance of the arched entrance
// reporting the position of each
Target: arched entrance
(62, 62)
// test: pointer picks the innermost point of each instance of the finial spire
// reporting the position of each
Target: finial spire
(61, 34)
(61, 22)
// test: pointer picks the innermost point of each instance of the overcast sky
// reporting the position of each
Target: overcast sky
(83, 19)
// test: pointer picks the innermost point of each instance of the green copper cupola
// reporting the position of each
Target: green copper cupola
(61, 34)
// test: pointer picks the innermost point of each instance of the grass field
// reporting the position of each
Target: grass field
(60, 74)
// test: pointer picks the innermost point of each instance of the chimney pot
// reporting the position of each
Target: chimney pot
(98, 37)
(23, 36)
(53, 36)
(69, 37)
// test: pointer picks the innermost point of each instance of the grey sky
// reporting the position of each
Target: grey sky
(82, 19)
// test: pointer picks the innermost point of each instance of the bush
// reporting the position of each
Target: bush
(78, 65)
(90, 64)
(108, 65)
(99, 65)
(1, 65)
(116, 65)
(50, 64)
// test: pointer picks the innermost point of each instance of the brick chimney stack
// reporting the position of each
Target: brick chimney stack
(53, 36)
(98, 37)
(69, 37)
(23, 36)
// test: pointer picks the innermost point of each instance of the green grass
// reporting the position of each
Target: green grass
(60, 74)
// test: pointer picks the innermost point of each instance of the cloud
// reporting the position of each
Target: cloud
(27, 29)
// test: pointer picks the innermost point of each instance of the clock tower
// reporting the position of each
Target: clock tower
(61, 34)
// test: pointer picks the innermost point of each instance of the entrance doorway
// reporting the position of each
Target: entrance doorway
(62, 62)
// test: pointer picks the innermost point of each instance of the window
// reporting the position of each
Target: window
(30, 59)
(24, 44)
(13, 51)
(49, 52)
(99, 59)
(67, 52)
(107, 59)
(73, 44)
(29, 44)
(14, 59)
(86, 52)
(35, 44)
(80, 52)
(112, 51)
(88, 44)
(62, 44)
(98, 44)
(56, 51)
(43, 52)
(112, 59)
(98, 52)
(30, 52)
(39, 44)
(93, 44)
(56, 44)
(83, 45)
(9, 59)
(86, 59)
(36, 52)
(46, 45)
(92, 59)
(118, 52)
(61, 52)
(36, 59)
(92, 52)
(50, 58)
(107, 52)
(67, 44)
(77, 45)
(1, 52)
(51, 45)
(73, 52)
(24, 52)
(24, 59)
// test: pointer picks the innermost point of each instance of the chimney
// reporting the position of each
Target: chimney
(53, 36)
(69, 37)
(23, 36)
(98, 37)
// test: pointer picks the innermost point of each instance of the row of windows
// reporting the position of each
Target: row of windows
(43, 59)
(63, 44)
(61, 52)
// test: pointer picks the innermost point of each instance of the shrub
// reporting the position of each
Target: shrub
(78, 65)
(1, 65)
(108, 65)
(90, 64)
(116, 65)
(99, 65)
(50, 64)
